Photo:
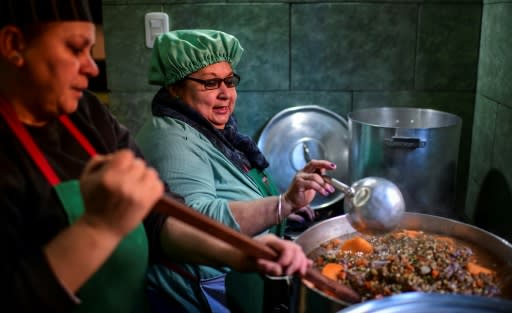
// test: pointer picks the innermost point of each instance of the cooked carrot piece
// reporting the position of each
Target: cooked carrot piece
(448, 240)
(412, 233)
(409, 266)
(331, 270)
(476, 269)
(434, 273)
(336, 242)
(397, 235)
(357, 244)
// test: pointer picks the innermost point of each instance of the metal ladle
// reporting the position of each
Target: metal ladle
(374, 205)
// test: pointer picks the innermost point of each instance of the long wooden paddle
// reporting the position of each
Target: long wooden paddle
(246, 244)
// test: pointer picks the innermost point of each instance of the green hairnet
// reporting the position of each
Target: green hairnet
(179, 53)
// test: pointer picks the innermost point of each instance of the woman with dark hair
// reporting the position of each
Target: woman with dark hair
(75, 190)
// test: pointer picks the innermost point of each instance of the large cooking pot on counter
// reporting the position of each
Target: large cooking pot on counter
(420, 302)
(415, 148)
(308, 299)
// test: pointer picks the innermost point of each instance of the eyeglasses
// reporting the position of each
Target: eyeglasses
(214, 83)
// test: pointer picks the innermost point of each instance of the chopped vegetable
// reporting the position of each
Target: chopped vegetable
(332, 270)
(357, 244)
(411, 233)
(476, 269)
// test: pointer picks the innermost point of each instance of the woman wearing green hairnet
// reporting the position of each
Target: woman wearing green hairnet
(193, 142)
(74, 189)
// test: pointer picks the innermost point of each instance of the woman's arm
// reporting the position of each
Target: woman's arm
(183, 243)
(254, 214)
(211, 184)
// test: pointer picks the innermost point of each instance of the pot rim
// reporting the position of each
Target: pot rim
(452, 120)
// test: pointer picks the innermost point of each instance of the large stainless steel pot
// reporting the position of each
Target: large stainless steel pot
(417, 149)
(311, 300)
(419, 302)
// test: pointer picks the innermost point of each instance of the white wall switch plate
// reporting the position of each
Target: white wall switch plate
(155, 24)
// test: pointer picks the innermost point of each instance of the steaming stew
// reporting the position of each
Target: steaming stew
(407, 260)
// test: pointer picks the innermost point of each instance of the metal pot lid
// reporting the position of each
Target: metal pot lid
(419, 302)
(294, 133)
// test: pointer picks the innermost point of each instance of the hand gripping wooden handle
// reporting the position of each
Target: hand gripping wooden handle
(246, 244)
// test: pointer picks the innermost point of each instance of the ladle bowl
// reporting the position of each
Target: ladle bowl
(374, 205)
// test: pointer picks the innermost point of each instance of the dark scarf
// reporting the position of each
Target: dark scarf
(238, 148)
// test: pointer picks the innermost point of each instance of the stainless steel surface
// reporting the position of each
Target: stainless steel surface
(322, 132)
(417, 149)
(417, 302)
(307, 153)
(374, 205)
(314, 301)
(347, 190)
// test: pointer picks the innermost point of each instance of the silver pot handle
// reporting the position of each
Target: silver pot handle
(404, 142)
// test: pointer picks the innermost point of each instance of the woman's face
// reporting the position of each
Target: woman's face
(56, 68)
(215, 105)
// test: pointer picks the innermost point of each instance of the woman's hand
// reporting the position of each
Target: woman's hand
(291, 260)
(306, 184)
(302, 216)
(118, 191)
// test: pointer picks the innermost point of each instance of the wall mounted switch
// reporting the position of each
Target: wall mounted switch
(155, 23)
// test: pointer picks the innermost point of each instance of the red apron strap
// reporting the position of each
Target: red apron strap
(64, 119)
(9, 115)
(27, 142)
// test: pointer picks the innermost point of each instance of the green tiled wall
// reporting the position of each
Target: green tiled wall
(343, 55)
(445, 58)
(489, 196)
(356, 46)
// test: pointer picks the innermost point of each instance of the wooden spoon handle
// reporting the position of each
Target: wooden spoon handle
(246, 244)
(332, 287)
(180, 211)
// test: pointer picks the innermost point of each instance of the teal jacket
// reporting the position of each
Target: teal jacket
(195, 169)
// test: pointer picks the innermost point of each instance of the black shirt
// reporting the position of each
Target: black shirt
(31, 213)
